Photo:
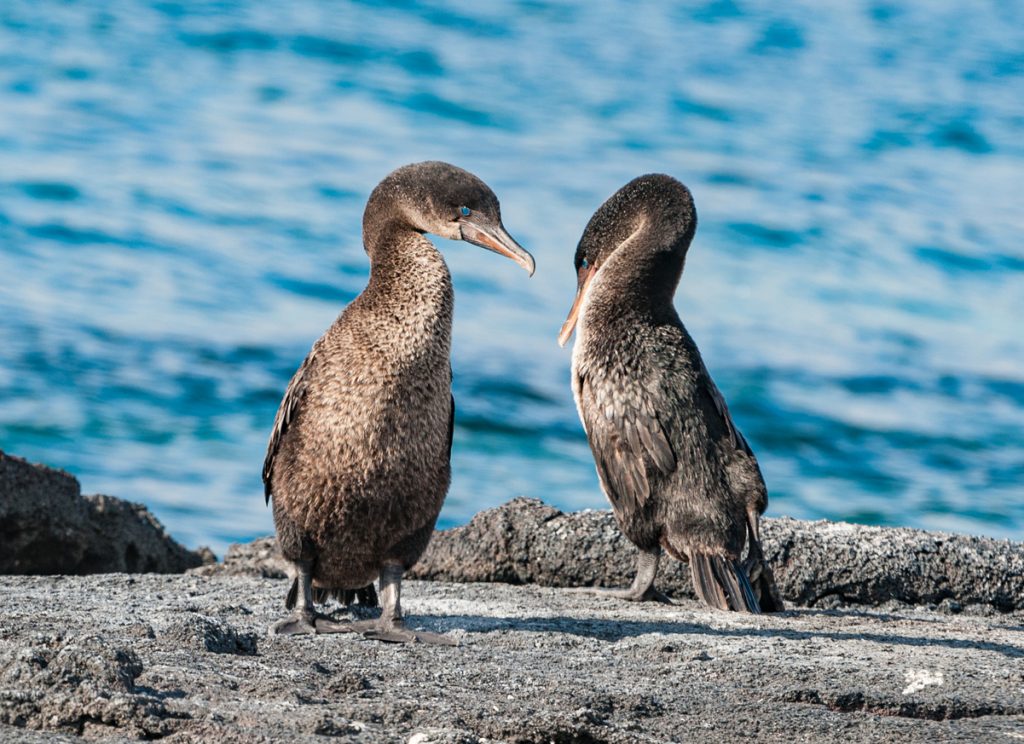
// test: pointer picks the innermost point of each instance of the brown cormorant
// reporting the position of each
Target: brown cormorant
(677, 471)
(358, 459)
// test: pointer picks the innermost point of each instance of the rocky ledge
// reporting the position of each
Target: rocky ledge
(892, 635)
(824, 565)
(187, 658)
(48, 527)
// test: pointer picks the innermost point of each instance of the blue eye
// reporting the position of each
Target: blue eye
(585, 264)
(465, 211)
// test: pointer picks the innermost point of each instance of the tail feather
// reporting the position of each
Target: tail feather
(367, 596)
(722, 583)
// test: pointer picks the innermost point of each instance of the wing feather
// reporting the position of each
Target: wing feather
(286, 413)
(735, 437)
(629, 443)
(451, 428)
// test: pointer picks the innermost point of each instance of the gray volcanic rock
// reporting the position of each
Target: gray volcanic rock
(186, 658)
(257, 558)
(816, 564)
(48, 527)
(67, 681)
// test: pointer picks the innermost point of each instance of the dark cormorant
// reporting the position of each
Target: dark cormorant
(358, 460)
(677, 471)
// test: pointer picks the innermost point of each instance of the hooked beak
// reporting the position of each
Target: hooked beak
(494, 238)
(570, 323)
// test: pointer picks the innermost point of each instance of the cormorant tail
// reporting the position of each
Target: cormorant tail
(367, 596)
(722, 583)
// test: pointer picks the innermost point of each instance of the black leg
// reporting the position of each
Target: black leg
(305, 618)
(642, 589)
(390, 626)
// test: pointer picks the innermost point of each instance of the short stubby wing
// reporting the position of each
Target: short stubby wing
(744, 474)
(745, 480)
(286, 414)
(628, 440)
(451, 429)
(719, 411)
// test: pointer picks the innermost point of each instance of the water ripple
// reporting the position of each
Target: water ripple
(182, 187)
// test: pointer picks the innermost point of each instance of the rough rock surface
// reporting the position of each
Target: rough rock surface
(257, 558)
(187, 658)
(48, 527)
(817, 564)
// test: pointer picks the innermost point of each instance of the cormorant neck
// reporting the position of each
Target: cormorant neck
(384, 219)
(406, 270)
(644, 271)
(409, 297)
(409, 285)
(408, 267)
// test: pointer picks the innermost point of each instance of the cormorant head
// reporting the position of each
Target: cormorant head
(442, 199)
(653, 214)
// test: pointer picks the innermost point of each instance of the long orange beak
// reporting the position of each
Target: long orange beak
(495, 238)
(570, 323)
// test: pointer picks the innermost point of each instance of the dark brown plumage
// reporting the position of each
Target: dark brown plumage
(677, 471)
(358, 460)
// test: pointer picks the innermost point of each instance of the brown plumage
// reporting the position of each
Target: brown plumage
(358, 460)
(677, 471)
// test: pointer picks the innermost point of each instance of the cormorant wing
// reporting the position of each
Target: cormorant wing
(286, 413)
(735, 438)
(628, 441)
(451, 429)
(742, 470)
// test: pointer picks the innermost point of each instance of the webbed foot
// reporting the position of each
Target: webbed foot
(630, 594)
(642, 589)
(397, 632)
(311, 623)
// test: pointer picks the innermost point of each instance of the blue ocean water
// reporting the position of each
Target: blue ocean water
(181, 187)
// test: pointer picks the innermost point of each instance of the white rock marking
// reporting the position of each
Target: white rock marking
(918, 679)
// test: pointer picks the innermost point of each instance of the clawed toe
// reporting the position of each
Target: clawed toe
(388, 626)
(325, 624)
